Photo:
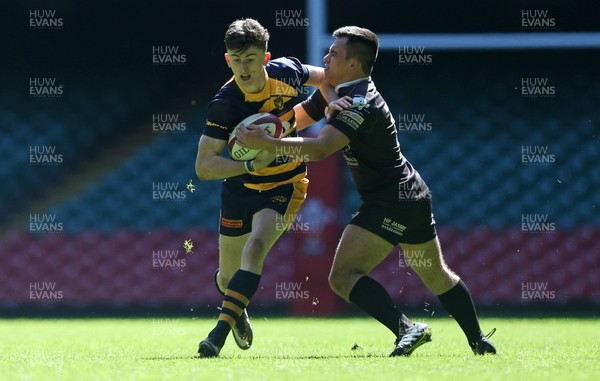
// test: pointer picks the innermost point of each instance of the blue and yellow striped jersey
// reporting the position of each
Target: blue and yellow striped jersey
(285, 79)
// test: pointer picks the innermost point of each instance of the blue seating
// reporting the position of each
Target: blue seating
(471, 158)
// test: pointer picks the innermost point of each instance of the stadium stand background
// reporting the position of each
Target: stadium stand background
(110, 227)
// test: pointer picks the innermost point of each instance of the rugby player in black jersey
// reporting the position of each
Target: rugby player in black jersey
(254, 193)
(396, 202)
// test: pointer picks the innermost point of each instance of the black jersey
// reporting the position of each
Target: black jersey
(232, 104)
(373, 153)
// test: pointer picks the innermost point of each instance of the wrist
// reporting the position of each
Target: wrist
(249, 166)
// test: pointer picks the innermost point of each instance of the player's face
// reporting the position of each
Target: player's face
(248, 67)
(336, 65)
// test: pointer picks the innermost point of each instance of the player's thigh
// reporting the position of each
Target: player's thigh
(272, 218)
(230, 255)
(359, 251)
(423, 255)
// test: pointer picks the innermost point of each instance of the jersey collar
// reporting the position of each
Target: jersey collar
(346, 84)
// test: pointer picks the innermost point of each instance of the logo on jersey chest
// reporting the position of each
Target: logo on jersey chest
(279, 102)
(351, 118)
(359, 102)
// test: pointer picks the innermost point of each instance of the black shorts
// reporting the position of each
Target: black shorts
(397, 221)
(239, 204)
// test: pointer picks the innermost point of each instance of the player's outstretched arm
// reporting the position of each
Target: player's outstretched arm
(327, 142)
(316, 78)
(211, 166)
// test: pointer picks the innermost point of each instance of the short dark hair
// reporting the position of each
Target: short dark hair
(362, 43)
(244, 33)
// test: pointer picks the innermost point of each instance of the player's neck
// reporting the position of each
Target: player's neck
(257, 87)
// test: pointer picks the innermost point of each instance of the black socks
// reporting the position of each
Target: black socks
(369, 295)
(458, 302)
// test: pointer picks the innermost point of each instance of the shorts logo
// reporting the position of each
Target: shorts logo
(279, 199)
(393, 226)
(235, 224)
(351, 118)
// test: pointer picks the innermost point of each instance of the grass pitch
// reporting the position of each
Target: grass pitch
(293, 349)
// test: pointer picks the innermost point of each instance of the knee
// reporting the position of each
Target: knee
(255, 246)
(439, 280)
(223, 280)
(338, 282)
(430, 275)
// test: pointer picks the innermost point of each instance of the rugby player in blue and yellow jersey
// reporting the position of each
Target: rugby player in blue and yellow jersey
(396, 202)
(257, 193)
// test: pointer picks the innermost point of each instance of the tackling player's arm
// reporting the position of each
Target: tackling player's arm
(327, 142)
(303, 120)
(317, 79)
(315, 75)
(211, 166)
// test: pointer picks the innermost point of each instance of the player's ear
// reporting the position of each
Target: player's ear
(228, 60)
(354, 64)
(267, 58)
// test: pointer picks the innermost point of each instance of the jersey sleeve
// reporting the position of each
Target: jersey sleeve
(349, 121)
(221, 119)
(288, 67)
(315, 105)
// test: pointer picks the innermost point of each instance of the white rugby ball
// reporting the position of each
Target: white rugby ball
(271, 124)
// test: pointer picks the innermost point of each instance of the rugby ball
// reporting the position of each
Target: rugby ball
(271, 124)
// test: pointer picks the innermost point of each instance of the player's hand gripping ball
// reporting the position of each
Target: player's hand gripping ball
(271, 124)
